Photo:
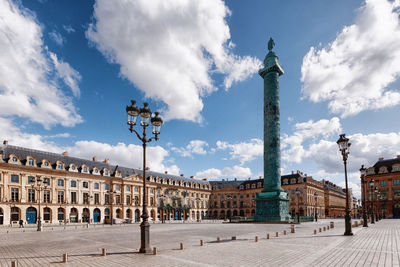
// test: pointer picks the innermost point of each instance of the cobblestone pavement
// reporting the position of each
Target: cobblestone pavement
(377, 245)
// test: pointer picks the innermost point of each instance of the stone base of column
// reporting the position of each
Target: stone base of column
(272, 207)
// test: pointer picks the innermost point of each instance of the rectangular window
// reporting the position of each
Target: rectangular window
(106, 186)
(60, 182)
(73, 183)
(117, 187)
(60, 197)
(60, 166)
(136, 189)
(14, 194)
(396, 193)
(31, 195)
(136, 200)
(73, 197)
(46, 196)
(96, 199)
(383, 195)
(85, 185)
(30, 179)
(14, 178)
(47, 181)
(396, 182)
(383, 183)
(106, 199)
(85, 198)
(118, 199)
(96, 186)
(127, 188)
(128, 200)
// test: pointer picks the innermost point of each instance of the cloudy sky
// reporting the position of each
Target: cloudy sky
(68, 69)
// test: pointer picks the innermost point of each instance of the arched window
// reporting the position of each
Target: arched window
(60, 214)
(15, 214)
(47, 214)
(118, 212)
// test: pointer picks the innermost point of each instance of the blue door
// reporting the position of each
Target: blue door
(96, 215)
(31, 215)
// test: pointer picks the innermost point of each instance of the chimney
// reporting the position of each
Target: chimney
(147, 168)
(191, 177)
(235, 179)
(292, 172)
(205, 179)
(249, 178)
(398, 156)
(106, 161)
(65, 153)
(182, 175)
(380, 159)
(223, 180)
(166, 172)
(94, 158)
(5, 142)
(260, 177)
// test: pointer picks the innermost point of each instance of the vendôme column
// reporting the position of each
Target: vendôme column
(272, 204)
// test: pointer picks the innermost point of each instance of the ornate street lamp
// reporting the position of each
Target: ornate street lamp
(363, 193)
(371, 186)
(315, 210)
(298, 192)
(133, 113)
(111, 202)
(344, 147)
(39, 187)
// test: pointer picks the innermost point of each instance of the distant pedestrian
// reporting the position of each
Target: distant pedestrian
(21, 223)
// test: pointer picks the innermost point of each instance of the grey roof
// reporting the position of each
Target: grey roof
(222, 184)
(39, 155)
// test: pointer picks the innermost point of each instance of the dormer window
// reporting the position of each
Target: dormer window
(73, 168)
(382, 170)
(241, 187)
(31, 162)
(106, 172)
(96, 171)
(46, 163)
(395, 168)
(253, 186)
(60, 166)
(293, 181)
(84, 169)
(14, 159)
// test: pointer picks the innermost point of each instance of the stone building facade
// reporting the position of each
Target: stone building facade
(90, 191)
(236, 198)
(386, 180)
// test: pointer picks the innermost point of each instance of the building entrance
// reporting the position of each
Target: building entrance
(396, 211)
(31, 215)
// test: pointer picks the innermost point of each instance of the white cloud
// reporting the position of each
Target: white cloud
(235, 171)
(68, 28)
(70, 76)
(293, 146)
(244, 151)
(26, 89)
(354, 71)
(194, 147)
(57, 37)
(169, 49)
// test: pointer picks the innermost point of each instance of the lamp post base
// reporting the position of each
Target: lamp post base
(365, 220)
(348, 225)
(145, 237)
(39, 226)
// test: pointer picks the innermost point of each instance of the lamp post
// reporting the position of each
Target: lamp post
(133, 113)
(162, 206)
(298, 192)
(363, 193)
(39, 186)
(376, 206)
(344, 147)
(315, 210)
(371, 186)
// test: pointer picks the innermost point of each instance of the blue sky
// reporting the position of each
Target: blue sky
(69, 68)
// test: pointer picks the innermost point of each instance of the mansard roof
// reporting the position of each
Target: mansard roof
(222, 184)
(23, 153)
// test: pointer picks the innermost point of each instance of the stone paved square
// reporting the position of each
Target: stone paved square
(377, 245)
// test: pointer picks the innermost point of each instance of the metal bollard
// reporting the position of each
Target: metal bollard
(218, 240)
(14, 263)
(284, 232)
(267, 236)
(332, 224)
(233, 237)
(201, 243)
(103, 252)
(65, 257)
(256, 239)
(154, 251)
(315, 231)
(292, 228)
(276, 234)
(181, 246)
